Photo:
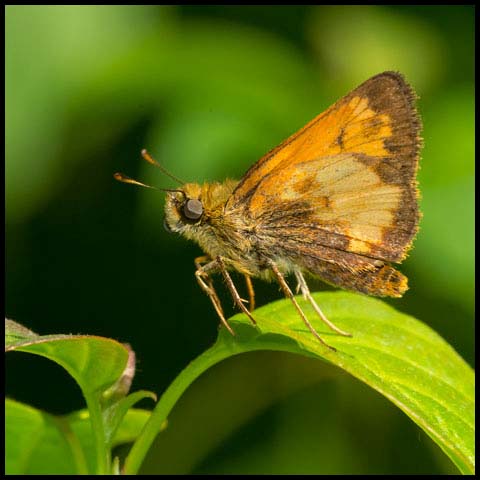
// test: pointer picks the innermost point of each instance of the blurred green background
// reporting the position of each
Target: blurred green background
(209, 90)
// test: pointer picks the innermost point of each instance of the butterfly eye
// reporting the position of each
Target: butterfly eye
(193, 209)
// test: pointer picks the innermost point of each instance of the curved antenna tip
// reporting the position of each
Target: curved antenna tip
(146, 156)
(121, 177)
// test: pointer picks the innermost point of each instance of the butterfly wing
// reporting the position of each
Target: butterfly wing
(343, 184)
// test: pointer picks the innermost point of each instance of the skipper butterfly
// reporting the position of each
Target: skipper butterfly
(338, 200)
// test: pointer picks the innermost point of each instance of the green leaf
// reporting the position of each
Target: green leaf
(39, 443)
(394, 353)
(95, 363)
(115, 413)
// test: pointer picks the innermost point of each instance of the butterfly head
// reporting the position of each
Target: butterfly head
(184, 208)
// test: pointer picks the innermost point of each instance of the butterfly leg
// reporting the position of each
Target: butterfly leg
(251, 293)
(205, 282)
(231, 286)
(288, 293)
(302, 285)
(198, 264)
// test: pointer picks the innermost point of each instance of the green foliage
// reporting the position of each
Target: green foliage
(38, 443)
(95, 363)
(391, 352)
(102, 369)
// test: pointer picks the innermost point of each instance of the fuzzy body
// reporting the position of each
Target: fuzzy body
(228, 233)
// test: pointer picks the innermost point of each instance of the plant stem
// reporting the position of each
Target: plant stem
(98, 430)
(143, 443)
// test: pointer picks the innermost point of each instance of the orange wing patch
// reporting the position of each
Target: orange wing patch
(353, 167)
(348, 126)
(354, 126)
(377, 119)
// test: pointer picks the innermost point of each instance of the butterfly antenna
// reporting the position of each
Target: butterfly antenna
(121, 177)
(150, 159)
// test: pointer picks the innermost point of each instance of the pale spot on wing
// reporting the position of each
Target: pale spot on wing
(289, 194)
(358, 246)
(345, 176)
(290, 190)
(350, 197)
(366, 232)
(357, 199)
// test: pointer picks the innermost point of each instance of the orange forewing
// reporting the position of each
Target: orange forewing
(373, 119)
